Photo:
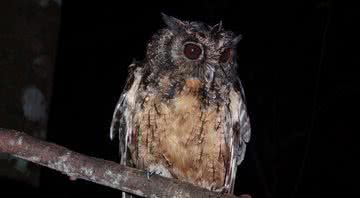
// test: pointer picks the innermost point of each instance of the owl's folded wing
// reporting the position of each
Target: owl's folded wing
(239, 133)
(243, 128)
(122, 117)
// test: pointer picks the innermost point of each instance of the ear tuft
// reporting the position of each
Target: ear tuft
(173, 23)
(236, 40)
(217, 28)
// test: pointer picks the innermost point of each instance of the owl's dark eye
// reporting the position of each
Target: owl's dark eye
(225, 55)
(192, 51)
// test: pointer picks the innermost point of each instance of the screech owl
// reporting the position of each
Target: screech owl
(182, 112)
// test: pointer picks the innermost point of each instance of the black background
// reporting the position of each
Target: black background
(297, 62)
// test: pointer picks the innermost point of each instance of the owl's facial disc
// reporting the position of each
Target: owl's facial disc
(198, 50)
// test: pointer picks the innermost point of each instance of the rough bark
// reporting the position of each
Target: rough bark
(100, 171)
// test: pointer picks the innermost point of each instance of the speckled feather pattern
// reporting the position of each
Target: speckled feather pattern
(185, 119)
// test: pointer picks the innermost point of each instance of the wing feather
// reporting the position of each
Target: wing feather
(240, 131)
(122, 116)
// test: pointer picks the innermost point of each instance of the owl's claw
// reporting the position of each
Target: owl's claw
(221, 191)
(151, 173)
(220, 194)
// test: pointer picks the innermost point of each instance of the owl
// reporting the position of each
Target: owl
(182, 113)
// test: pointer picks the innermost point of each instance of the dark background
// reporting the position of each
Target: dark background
(297, 62)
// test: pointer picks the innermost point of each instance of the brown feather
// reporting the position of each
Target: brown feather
(182, 137)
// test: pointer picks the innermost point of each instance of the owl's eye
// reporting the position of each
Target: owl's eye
(192, 51)
(225, 55)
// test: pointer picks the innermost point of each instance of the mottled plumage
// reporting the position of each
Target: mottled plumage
(182, 112)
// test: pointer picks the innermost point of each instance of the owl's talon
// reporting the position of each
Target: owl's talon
(148, 174)
(151, 173)
(220, 194)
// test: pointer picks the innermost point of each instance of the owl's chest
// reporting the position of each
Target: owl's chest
(181, 137)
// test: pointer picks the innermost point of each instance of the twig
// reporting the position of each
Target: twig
(100, 171)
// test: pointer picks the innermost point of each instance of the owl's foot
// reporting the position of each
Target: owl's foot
(221, 191)
(150, 173)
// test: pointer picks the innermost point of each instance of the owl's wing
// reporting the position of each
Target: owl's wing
(122, 117)
(241, 131)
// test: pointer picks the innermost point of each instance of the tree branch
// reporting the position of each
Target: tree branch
(100, 171)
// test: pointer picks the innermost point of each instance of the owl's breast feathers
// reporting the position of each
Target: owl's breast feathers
(180, 137)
